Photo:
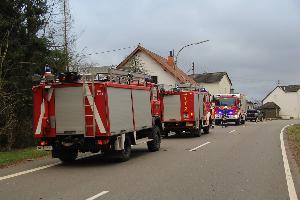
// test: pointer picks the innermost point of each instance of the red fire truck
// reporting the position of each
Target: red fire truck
(185, 110)
(87, 115)
(234, 105)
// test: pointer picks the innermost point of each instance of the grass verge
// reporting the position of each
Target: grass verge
(294, 141)
(12, 157)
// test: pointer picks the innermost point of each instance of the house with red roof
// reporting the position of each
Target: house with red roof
(162, 70)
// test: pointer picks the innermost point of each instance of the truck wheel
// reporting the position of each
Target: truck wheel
(124, 155)
(165, 133)
(206, 130)
(154, 144)
(196, 132)
(68, 156)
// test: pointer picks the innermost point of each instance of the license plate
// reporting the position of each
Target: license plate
(45, 148)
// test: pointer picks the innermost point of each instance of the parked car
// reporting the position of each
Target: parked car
(254, 115)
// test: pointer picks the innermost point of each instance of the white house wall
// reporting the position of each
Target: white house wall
(212, 88)
(154, 69)
(224, 85)
(221, 87)
(289, 102)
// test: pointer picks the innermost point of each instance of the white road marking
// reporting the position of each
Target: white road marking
(98, 195)
(28, 171)
(194, 149)
(288, 174)
(39, 168)
(232, 131)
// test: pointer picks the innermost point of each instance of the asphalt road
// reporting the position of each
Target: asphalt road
(237, 162)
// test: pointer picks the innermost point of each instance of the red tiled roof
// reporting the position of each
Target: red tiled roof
(174, 71)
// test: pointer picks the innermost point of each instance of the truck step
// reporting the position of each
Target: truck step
(143, 140)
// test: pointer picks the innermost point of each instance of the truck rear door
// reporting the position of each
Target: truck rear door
(172, 105)
(69, 110)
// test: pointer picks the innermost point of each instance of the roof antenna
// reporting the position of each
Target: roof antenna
(278, 82)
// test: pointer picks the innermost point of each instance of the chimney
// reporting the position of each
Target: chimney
(231, 90)
(171, 59)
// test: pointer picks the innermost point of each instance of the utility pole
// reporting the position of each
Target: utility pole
(193, 68)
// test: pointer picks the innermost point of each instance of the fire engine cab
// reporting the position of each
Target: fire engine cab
(233, 104)
(89, 114)
(185, 110)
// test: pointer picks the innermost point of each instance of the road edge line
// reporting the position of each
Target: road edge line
(27, 171)
(288, 174)
(39, 168)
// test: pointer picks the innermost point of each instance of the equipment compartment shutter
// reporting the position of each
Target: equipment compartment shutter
(120, 110)
(172, 108)
(201, 96)
(196, 106)
(142, 109)
(69, 110)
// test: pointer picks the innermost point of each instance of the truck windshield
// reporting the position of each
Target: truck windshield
(225, 102)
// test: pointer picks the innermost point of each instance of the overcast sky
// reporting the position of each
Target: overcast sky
(257, 42)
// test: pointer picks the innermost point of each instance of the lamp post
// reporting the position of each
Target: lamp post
(196, 43)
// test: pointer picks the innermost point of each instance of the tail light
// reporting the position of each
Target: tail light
(101, 142)
(42, 143)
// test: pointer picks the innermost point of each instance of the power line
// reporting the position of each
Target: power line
(110, 51)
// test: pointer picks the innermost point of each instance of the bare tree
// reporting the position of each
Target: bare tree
(136, 65)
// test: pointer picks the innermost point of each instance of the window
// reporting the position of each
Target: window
(154, 79)
(226, 102)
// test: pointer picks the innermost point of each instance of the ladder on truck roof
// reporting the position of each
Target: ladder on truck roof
(187, 87)
(116, 75)
(90, 96)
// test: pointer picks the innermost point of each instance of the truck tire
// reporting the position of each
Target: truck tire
(154, 144)
(206, 130)
(165, 133)
(124, 155)
(196, 132)
(67, 155)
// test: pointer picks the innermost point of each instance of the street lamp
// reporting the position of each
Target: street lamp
(196, 43)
